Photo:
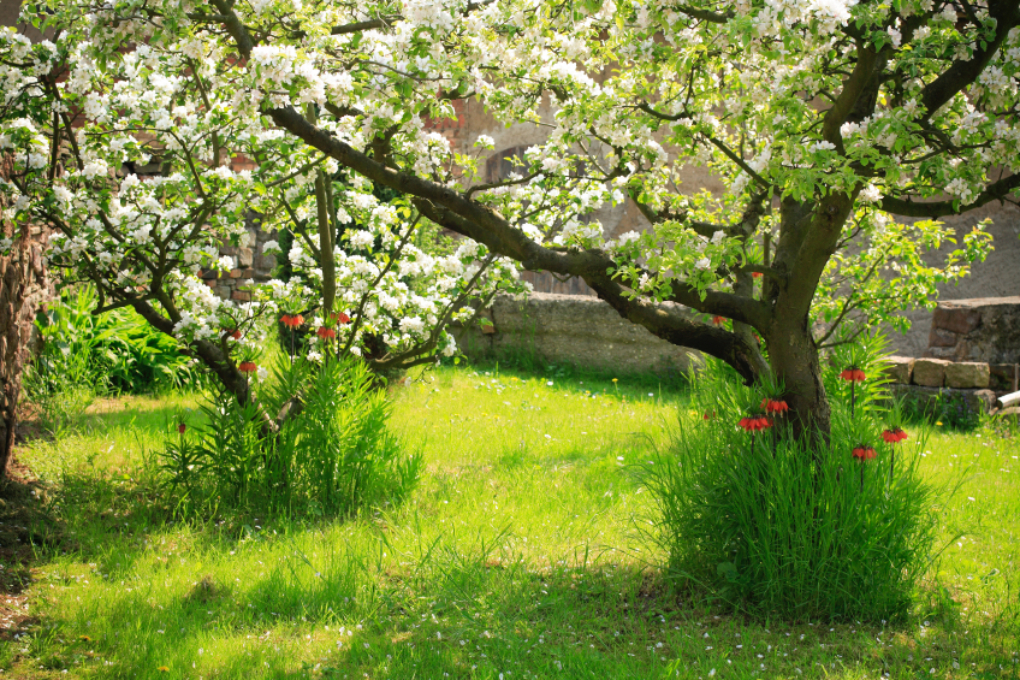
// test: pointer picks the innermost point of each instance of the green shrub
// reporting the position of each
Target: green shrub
(116, 352)
(765, 521)
(333, 456)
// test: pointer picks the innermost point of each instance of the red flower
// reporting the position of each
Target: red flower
(709, 415)
(863, 452)
(182, 428)
(325, 333)
(774, 406)
(292, 321)
(755, 423)
(247, 367)
(718, 320)
(852, 374)
(756, 275)
(236, 334)
(894, 436)
(341, 318)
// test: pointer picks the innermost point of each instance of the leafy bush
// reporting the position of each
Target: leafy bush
(116, 352)
(762, 519)
(333, 455)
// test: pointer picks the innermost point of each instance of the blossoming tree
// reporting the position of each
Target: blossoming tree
(79, 120)
(827, 119)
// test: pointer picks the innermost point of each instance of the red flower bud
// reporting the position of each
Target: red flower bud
(182, 428)
(247, 367)
(862, 452)
(325, 333)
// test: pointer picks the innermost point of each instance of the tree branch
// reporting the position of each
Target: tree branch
(962, 73)
(996, 191)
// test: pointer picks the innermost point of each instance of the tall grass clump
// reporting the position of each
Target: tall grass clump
(766, 521)
(315, 443)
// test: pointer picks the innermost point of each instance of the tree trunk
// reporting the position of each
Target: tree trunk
(24, 285)
(795, 364)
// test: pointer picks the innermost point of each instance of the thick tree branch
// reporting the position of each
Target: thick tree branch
(961, 74)
(997, 191)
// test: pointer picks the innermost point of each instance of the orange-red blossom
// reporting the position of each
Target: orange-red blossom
(774, 406)
(894, 436)
(852, 374)
(755, 423)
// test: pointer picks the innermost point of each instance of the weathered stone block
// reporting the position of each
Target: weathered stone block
(968, 374)
(900, 369)
(229, 251)
(942, 338)
(958, 319)
(210, 274)
(244, 257)
(241, 296)
(987, 329)
(930, 372)
(235, 273)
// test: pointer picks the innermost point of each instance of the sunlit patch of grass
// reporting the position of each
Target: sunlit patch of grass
(521, 554)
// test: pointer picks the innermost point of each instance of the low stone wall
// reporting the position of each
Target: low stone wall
(579, 330)
(972, 384)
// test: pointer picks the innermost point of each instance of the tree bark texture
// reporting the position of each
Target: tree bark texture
(24, 285)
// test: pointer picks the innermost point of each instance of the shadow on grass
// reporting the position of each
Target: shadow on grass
(25, 528)
(462, 613)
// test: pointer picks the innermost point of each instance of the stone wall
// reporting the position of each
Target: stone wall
(973, 385)
(253, 265)
(574, 329)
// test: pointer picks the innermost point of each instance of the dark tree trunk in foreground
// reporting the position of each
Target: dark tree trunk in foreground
(24, 285)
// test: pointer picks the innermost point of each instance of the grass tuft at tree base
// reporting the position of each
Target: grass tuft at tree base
(778, 526)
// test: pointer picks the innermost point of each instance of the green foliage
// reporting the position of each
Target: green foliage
(116, 352)
(83, 355)
(806, 531)
(951, 410)
(332, 455)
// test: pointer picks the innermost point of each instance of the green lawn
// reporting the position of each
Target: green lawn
(524, 553)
